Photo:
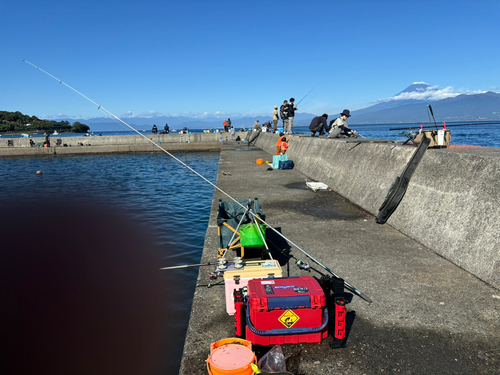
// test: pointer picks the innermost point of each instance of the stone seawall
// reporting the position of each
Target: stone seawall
(451, 205)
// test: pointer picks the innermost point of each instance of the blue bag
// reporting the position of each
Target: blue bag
(288, 164)
(277, 159)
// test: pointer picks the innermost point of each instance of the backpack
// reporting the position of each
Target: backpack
(288, 164)
(331, 124)
(284, 112)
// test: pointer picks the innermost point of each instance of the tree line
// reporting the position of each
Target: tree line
(18, 122)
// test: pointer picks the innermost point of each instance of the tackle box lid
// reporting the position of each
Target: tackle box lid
(285, 293)
(253, 269)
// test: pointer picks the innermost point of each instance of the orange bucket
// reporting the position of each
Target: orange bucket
(231, 357)
(260, 161)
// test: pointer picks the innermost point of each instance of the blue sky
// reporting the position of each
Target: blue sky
(235, 57)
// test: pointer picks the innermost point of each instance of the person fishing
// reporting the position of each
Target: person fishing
(275, 118)
(319, 124)
(291, 115)
(284, 115)
(47, 139)
(155, 129)
(339, 126)
(166, 130)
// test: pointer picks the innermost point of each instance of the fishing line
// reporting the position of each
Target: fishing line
(361, 135)
(136, 131)
(306, 95)
(348, 286)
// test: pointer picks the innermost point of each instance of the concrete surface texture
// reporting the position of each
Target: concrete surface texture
(428, 315)
(451, 205)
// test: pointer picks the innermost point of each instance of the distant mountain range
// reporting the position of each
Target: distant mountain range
(408, 106)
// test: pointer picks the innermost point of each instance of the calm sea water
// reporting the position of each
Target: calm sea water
(154, 190)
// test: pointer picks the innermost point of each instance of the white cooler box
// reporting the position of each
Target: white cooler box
(238, 278)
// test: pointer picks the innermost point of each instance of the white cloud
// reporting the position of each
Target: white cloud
(431, 93)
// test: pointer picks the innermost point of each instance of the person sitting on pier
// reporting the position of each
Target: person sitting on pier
(281, 139)
(339, 126)
(166, 130)
(155, 129)
(284, 146)
(318, 124)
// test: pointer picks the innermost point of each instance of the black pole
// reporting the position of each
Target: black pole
(432, 113)
(448, 126)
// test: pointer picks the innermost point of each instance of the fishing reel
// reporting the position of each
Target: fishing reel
(302, 265)
(222, 266)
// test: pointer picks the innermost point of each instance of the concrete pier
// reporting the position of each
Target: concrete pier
(451, 205)
(126, 144)
(429, 315)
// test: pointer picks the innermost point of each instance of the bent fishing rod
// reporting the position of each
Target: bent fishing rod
(99, 107)
(306, 95)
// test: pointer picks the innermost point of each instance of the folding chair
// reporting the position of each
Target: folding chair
(411, 136)
(238, 229)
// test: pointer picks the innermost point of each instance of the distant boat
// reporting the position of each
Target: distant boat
(55, 132)
(24, 135)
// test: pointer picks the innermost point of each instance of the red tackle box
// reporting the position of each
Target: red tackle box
(287, 310)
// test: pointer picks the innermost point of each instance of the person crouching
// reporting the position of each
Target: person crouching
(318, 124)
(340, 125)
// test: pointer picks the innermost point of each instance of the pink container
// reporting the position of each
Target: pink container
(238, 278)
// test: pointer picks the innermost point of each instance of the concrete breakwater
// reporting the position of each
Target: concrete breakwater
(115, 144)
(451, 205)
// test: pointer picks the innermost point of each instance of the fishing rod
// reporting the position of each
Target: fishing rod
(306, 95)
(99, 107)
(190, 265)
(448, 126)
(429, 108)
(361, 135)
(348, 286)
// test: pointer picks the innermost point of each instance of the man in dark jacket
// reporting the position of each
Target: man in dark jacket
(319, 124)
(284, 115)
(291, 116)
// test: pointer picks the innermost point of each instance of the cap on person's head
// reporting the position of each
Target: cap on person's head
(346, 113)
(324, 115)
(292, 99)
(285, 101)
(275, 107)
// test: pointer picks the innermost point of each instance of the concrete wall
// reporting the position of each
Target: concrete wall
(452, 204)
(117, 144)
